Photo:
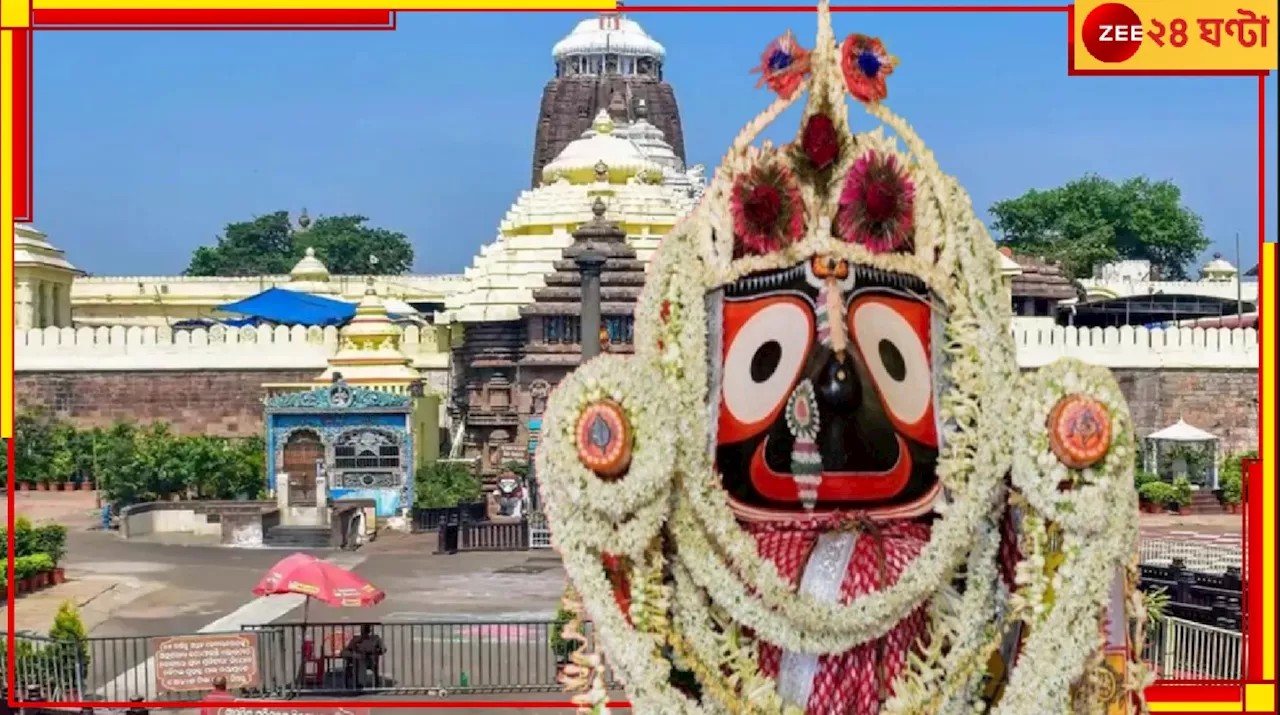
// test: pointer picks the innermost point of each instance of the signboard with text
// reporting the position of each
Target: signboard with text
(189, 663)
(1172, 36)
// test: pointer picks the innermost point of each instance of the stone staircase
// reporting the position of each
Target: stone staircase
(298, 537)
(1203, 501)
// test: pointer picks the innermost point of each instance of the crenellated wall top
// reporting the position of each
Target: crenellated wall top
(264, 347)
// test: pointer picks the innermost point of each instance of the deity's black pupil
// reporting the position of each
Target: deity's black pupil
(892, 360)
(765, 361)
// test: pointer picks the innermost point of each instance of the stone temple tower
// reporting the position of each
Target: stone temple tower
(607, 62)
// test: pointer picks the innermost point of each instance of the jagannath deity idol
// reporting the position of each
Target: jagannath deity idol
(822, 485)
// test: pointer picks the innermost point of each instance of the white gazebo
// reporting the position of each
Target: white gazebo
(1181, 434)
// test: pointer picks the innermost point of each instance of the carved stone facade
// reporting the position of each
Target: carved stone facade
(509, 368)
(569, 104)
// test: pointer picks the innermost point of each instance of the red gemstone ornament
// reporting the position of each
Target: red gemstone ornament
(768, 212)
(783, 66)
(865, 64)
(820, 142)
(876, 204)
(665, 312)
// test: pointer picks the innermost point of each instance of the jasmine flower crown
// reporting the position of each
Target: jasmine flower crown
(856, 196)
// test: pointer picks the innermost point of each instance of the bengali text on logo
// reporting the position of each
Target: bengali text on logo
(1174, 35)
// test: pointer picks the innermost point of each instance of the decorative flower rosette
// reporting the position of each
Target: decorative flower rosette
(624, 512)
(702, 598)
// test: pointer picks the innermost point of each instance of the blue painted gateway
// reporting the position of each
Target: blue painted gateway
(341, 442)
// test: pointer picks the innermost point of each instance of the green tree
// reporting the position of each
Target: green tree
(270, 245)
(263, 246)
(344, 244)
(445, 484)
(1092, 220)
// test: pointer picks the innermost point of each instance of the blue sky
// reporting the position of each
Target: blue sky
(148, 143)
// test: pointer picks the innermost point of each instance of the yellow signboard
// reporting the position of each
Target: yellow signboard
(1174, 36)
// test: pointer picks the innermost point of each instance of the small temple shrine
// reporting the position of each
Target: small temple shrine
(360, 434)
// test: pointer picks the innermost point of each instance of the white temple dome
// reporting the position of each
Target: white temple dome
(1218, 269)
(601, 148)
(310, 275)
(615, 34)
(31, 247)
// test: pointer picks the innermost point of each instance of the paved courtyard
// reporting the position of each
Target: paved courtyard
(127, 590)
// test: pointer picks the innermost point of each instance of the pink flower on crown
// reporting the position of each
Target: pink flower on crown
(767, 210)
(876, 204)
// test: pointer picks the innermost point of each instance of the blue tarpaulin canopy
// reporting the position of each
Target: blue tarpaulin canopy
(289, 307)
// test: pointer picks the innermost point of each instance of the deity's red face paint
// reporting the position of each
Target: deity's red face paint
(826, 392)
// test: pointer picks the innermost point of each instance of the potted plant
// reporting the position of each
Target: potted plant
(1140, 480)
(22, 573)
(561, 647)
(51, 540)
(1181, 501)
(1154, 496)
(72, 641)
(42, 565)
(1232, 492)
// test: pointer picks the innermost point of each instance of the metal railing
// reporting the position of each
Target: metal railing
(53, 669)
(439, 658)
(1183, 650)
(416, 657)
(1210, 556)
(1212, 599)
(118, 668)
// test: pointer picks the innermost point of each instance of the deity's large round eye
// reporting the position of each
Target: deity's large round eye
(892, 336)
(766, 343)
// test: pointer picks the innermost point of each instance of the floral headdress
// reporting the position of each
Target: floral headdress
(659, 560)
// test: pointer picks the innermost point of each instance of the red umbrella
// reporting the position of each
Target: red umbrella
(321, 580)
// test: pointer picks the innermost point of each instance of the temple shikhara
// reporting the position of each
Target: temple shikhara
(402, 370)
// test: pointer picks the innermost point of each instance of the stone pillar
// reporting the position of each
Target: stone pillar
(46, 305)
(24, 315)
(590, 264)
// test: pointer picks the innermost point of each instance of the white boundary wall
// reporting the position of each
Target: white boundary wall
(216, 348)
(282, 347)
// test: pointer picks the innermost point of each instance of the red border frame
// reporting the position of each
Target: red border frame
(238, 20)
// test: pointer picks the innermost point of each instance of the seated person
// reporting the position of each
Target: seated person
(362, 655)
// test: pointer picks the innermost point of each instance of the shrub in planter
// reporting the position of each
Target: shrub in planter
(1141, 479)
(50, 539)
(561, 647)
(1181, 495)
(72, 648)
(1232, 492)
(1156, 494)
(26, 570)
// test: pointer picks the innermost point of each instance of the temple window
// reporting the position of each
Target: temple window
(561, 329)
(621, 329)
(366, 449)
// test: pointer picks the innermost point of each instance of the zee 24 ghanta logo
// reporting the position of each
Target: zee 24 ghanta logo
(1114, 32)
